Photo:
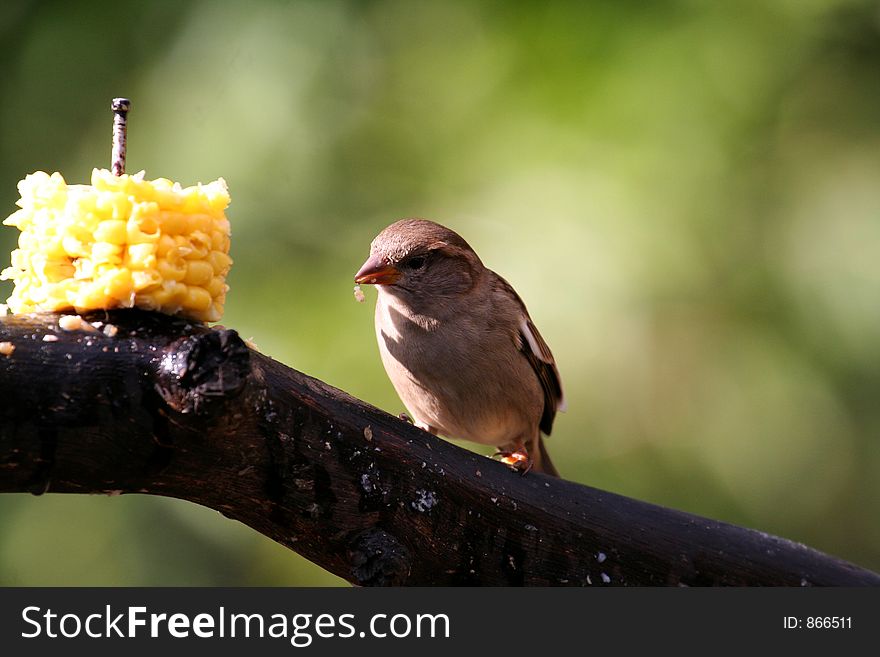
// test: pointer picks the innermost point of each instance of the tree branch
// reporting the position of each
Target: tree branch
(166, 407)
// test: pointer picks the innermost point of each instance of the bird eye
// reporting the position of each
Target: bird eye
(416, 262)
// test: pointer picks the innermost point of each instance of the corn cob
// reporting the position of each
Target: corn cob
(120, 242)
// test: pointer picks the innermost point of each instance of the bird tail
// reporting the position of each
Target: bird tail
(543, 462)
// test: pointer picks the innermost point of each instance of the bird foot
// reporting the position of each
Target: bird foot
(406, 418)
(517, 460)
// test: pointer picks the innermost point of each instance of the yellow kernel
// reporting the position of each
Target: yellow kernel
(164, 245)
(140, 256)
(213, 314)
(172, 223)
(58, 271)
(200, 245)
(89, 296)
(71, 247)
(198, 272)
(112, 231)
(178, 295)
(117, 284)
(159, 297)
(168, 199)
(145, 229)
(108, 253)
(20, 259)
(220, 262)
(200, 222)
(172, 270)
(113, 206)
(80, 232)
(144, 280)
(83, 268)
(217, 238)
(197, 298)
(147, 301)
(216, 287)
(70, 322)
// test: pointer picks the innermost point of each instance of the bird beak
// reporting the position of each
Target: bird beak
(377, 271)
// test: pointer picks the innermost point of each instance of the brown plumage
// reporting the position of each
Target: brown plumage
(458, 344)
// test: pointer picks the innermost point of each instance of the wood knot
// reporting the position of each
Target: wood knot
(199, 372)
(378, 559)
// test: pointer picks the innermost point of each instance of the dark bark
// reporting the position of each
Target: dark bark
(170, 408)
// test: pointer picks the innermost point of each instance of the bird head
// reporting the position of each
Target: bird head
(417, 257)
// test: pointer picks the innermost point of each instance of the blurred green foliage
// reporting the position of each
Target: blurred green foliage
(684, 192)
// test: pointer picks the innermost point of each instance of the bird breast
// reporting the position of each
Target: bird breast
(458, 375)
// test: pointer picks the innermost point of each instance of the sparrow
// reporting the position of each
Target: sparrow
(459, 345)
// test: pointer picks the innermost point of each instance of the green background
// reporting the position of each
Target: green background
(686, 194)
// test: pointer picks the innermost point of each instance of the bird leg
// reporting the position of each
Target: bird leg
(516, 459)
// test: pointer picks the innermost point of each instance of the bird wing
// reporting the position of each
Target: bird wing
(538, 354)
(536, 351)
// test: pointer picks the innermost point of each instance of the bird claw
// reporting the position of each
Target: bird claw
(517, 460)
(406, 418)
